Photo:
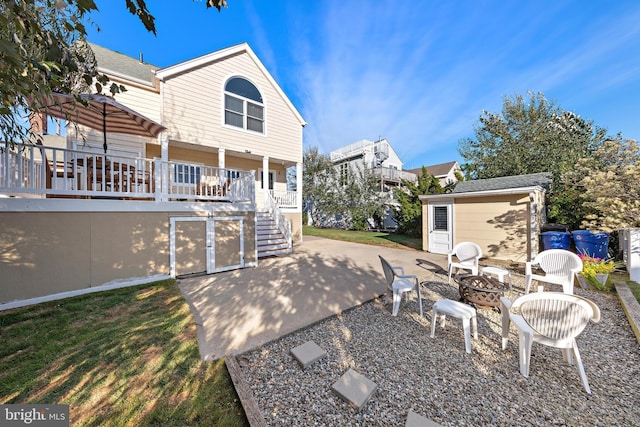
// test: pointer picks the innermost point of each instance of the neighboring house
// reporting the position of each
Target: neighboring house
(444, 172)
(378, 158)
(209, 194)
(502, 215)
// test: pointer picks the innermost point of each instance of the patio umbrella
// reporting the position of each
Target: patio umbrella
(102, 113)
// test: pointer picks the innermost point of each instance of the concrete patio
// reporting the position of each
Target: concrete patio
(239, 310)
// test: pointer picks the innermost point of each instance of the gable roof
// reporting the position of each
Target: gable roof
(121, 65)
(186, 66)
(542, 179)
(438, 170)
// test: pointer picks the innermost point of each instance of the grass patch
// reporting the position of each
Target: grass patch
(123, 357)
(376, 238)
(635, 289)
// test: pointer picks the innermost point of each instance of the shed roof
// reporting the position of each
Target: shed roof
(542, 179)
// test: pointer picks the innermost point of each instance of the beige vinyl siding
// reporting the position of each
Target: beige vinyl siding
(498, 224)
(193, 156)
(53, 252)
(194, 111)
(143, 101)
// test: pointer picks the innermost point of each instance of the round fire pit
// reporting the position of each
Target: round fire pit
(481, 291)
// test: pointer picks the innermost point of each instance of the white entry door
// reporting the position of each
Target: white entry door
(440, 227)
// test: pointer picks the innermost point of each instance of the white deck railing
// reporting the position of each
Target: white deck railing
(41, 171)
(284, 199)
(391, 174)
(283, 224)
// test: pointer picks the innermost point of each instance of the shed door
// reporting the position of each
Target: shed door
(206, 245)
(188, 248)
(440, 227)
(225, 240)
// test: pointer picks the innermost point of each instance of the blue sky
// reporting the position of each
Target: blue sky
(418, 73)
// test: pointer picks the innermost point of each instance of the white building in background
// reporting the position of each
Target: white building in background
(381, 160)
(378, 157)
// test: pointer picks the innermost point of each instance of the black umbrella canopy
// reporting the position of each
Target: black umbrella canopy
(102, 113)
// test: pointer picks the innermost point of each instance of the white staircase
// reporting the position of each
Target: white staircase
(271, 241)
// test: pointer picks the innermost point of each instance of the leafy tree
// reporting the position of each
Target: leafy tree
(360, 199)
(319, 182)
(529, 136)
(39, 54)
(349, 201)
(533, 135)
(609, 182)
(409, 214)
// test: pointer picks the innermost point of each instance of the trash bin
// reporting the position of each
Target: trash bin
(556, 240)
(592, 244)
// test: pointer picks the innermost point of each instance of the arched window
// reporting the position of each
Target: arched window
(243, 105)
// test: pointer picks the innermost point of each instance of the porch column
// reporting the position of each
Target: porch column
(265, 174)
(164, 169)
(221, 153)
(299, 185)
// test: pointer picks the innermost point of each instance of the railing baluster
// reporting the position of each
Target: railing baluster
(27, 169)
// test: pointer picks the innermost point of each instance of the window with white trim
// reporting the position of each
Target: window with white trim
(243, 106)
(186, 174)
(440, 218)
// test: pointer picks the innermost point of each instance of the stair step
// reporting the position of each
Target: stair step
(267, 225)
(271, 250)
(263, 254)
(268, 243)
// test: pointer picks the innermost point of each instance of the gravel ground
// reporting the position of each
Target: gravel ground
(437, 379)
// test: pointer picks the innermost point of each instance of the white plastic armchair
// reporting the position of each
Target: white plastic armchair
(560, 267)
(399, 283)
(554, 319)
(467, 256)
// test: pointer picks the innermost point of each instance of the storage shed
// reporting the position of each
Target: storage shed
(502, 215)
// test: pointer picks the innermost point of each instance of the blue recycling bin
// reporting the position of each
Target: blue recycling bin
(555, 240)
(592, 244)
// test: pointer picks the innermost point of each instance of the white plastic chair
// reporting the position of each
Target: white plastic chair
(399, 283)
(554, 319)
(560, 267)
(468, 255)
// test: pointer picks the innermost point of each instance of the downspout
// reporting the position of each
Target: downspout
(533, 226)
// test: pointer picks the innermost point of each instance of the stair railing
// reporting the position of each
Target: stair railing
(283, 224)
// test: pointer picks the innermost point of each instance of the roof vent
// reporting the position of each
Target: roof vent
(141, 60)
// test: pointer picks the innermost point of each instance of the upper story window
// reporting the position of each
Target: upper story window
(344, 173)
(243, 105)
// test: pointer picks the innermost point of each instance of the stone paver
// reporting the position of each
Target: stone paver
(354, 388)
(308, 353)
(415, 420)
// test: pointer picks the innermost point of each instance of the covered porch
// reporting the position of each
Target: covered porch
(39, 171)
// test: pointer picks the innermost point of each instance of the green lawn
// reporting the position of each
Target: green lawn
(376, 238)
(635, 289)
(122, 357)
